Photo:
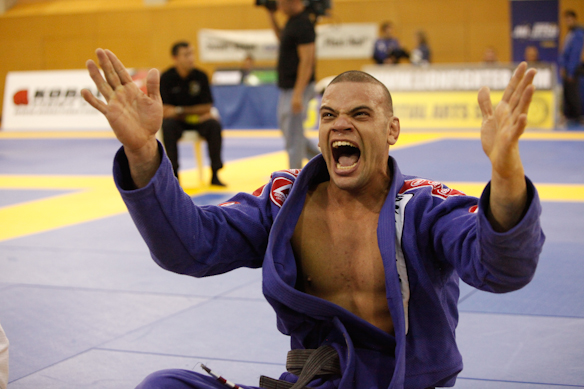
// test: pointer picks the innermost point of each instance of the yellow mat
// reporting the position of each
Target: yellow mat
(95, 197)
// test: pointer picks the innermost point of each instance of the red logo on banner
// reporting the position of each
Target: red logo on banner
(21, 97)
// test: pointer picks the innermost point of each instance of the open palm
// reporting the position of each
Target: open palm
(134, 116)
(503, 125)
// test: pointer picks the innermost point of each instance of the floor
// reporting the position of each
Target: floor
(84, 306)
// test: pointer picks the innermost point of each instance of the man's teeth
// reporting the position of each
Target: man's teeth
(341, 167)
(340, 143)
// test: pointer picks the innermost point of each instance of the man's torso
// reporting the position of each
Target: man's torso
(339, 259)
(192, 90)
(297, 31)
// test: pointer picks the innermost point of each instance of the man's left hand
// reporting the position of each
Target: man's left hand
(500, 132)
(503, 125)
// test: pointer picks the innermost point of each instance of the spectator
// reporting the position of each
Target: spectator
(247, 67)
(569, 62)
(296, 63)
(490, 56)
(387, 48)
(187, 100)
(421, 54)
(531, 55)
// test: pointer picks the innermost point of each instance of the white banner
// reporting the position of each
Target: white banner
(333, 41)
(347, 40)
(234, 45)
(51, 100)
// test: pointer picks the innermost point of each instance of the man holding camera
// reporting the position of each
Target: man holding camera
(296, 61)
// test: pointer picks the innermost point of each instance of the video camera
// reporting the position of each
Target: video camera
(269, 4)
(316, 7)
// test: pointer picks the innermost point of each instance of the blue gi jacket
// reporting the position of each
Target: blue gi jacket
(428, 236)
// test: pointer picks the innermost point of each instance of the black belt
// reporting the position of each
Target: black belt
(306, 364)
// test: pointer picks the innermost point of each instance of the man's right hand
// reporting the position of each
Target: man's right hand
(134, 116)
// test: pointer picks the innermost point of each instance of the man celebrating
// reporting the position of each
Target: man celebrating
(296, 61)
(360, 262)
(187, 103)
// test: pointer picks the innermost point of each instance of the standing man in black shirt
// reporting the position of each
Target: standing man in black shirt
(187, 103)
(296, 61)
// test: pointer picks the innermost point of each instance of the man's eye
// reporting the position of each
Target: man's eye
(361, 113)
(326, 115)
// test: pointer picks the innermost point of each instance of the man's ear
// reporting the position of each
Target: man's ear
(393, 130)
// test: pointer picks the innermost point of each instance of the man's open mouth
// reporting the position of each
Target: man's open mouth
(345, 154)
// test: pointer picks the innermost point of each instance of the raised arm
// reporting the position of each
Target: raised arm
(134, 116)
(500, 132)
(306, 53)
(274, 23)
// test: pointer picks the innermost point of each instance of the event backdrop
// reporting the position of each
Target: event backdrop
(535, 23)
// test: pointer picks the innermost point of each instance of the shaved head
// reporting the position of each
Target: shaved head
(359, 76)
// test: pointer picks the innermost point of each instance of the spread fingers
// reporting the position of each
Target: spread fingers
(523, 103)
(108, 69)
(94, 101)
(102, 86)
(119, 68)
(518, 94)
(514, 82)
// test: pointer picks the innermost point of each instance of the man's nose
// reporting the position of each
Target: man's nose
(342, 123)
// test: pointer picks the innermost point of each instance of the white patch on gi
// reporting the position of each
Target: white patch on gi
(400, 205)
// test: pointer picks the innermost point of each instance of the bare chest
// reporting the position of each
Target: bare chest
(339, 260)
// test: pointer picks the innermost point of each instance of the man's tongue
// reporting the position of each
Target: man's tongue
(348, 159)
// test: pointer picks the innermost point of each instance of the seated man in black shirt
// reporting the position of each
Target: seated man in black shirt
(187, 102)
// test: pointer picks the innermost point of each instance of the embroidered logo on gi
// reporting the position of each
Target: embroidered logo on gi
(438, 190)
(280, 189)
(229, 203)
(258, 192)
(473, 209)
(292, 172)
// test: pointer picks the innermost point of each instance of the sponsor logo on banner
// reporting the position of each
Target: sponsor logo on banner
(346, 40)
(448, 78)
(234, 45)
(451, 110)
(535, 23)
(445, 96)
(539, 31)
(51, 100)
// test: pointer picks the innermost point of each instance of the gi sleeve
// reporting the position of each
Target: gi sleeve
(486, 259)
(187, 239)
